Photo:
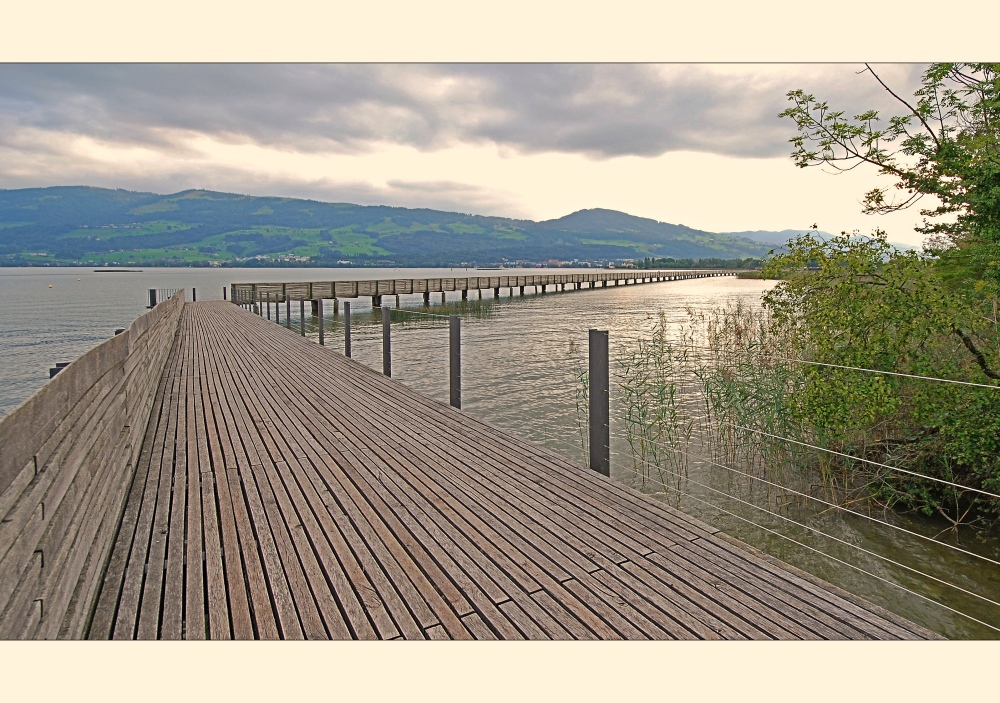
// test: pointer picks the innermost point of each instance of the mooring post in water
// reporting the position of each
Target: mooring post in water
(600, 403)
(347, 329)
(277, 308)
(455, 360)
(319, 317)
(302, 316)
(152, 298)
(386, 342)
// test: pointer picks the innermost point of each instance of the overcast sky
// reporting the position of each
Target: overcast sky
(699, 145)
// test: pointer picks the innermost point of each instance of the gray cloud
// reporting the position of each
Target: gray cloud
(601, 111)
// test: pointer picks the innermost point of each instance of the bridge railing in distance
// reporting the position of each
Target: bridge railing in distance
(67, 458)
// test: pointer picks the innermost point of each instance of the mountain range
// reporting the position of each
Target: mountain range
(79, 225)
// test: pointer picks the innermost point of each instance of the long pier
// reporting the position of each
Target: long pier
(294, 493)
(253, 293)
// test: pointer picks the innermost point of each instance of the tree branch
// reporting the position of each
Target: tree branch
(915, 113)
(980, 359)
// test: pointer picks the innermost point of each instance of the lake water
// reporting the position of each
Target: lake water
(520, 358)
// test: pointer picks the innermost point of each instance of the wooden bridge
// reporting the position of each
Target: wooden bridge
(281, 490)
(246, 293)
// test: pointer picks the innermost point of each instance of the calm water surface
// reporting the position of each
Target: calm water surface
(520, 356)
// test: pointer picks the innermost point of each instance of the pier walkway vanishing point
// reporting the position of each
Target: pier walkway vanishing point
(244, 293)
(287, 491)
(282, 490)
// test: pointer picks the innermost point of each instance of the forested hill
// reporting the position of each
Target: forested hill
(96, 226)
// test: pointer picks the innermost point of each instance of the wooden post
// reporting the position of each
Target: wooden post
(319, 317)
(496, 293)
(336, 307)
(347, 329)
(152, 298)
(386, 342)
(427, 298)
(455, 360)
(268, 306)
(277, 308)
(600, 403)
(465, 293)
(288, 311)
(194, 295)
(302, 316)
(223, 292)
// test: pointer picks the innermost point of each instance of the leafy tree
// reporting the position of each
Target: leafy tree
(945, 144)
(857, 302)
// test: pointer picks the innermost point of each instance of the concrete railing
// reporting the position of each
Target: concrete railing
(67, 457)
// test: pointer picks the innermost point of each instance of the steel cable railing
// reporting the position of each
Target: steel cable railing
(818, 551)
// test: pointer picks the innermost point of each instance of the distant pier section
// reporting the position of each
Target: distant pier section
(376, 288)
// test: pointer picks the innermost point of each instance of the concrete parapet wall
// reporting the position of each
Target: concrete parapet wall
(67, 457)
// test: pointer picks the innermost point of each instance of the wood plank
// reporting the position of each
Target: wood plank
(354, 508)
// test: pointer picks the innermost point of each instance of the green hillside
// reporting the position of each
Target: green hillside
(95, 226)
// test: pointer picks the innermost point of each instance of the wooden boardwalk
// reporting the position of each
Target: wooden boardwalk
(284, 491)
(252, 293)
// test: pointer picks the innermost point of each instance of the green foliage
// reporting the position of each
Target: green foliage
(857, 302)
(945, 145)
(656, 427)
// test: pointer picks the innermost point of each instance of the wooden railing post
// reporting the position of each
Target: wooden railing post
(302, 316)
(319, 314)
(455, 360)
(600, 403)
(386, 342)
(152, 298)
(347, 329)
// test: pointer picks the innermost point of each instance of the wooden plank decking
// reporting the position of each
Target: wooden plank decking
(284, 491)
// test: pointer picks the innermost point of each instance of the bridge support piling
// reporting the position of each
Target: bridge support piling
(427, 299)
(496, 293)
(376, 301)
(336, 306)
(465, 293)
